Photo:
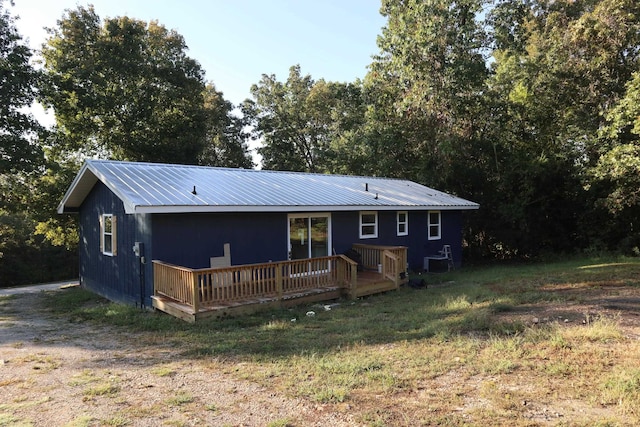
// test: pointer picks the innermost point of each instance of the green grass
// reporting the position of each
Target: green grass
(81, 421)
(181, 398)
(622, 388)
(413, 356)
(104, 389)
(10, 420)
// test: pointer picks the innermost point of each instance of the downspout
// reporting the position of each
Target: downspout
(138, 249)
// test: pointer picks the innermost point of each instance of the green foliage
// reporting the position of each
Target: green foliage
(559, 66)
(226, 135)
(301, 121)
(19, 150)
(512, 104)
(624, 117)
(620, 167)
(25, 258)
(425, 85)
(519, 136)
(124, 89)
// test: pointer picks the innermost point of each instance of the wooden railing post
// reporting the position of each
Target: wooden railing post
(279, 281)
(194, 292)
(353, 285)
(158, 277)
(346, 275)
(340, 271)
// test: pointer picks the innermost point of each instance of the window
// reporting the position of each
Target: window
(368, 225)
(403, 223)
(434, 225)
(108, 234)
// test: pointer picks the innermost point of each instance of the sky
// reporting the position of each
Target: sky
(236, 41)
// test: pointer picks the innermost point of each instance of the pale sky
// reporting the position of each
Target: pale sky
(236, 41)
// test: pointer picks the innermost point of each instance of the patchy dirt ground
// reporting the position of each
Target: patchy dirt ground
(57, 374)
(585, 303)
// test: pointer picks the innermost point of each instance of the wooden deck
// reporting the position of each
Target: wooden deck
(193, 294)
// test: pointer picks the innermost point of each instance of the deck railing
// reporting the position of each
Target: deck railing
(390, 267)
(206, 288)
(213, 286)
(175, 282)
(373, 255)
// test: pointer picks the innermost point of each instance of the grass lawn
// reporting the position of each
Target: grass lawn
(537, 344)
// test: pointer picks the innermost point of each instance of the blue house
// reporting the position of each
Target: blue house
(198, 218)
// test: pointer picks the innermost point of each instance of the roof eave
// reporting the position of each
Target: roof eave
(82, 184)
(71, 191)
(290, 208)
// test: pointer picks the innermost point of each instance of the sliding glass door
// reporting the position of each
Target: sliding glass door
(309, 235)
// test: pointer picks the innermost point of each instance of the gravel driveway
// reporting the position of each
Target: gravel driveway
(57, 373)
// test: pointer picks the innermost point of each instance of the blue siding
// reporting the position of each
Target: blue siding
(191, 239)
(115, 277)
(346, 231)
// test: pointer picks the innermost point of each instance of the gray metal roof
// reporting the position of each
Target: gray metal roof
(155, 188)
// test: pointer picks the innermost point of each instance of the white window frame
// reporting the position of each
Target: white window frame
(104, 234)
(369, 224)
(405, 223)
(437, 224)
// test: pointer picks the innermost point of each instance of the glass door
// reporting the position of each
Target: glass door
(319, 232)
(298, 238)
(308, 236)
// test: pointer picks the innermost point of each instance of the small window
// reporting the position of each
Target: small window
(108, 234)
(368, 225)
(434, 225)
(403, 223)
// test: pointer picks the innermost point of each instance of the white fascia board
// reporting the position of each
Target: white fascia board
(72, 188)
(288, 208)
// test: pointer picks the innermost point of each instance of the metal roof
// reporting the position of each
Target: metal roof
(157, 188)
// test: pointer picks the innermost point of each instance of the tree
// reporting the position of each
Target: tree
(301, 120)
(518, 133)
(558, 69)
(623, 118)
(428, 109)
(120, 89)
(614, 181)
(430, 75)
(226, 135)
(24, 256)
(124, 89)
(19, 150)
(292, 140)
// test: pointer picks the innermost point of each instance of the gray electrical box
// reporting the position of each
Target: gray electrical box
(138, 249)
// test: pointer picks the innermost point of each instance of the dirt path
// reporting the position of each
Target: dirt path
(54, 373)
